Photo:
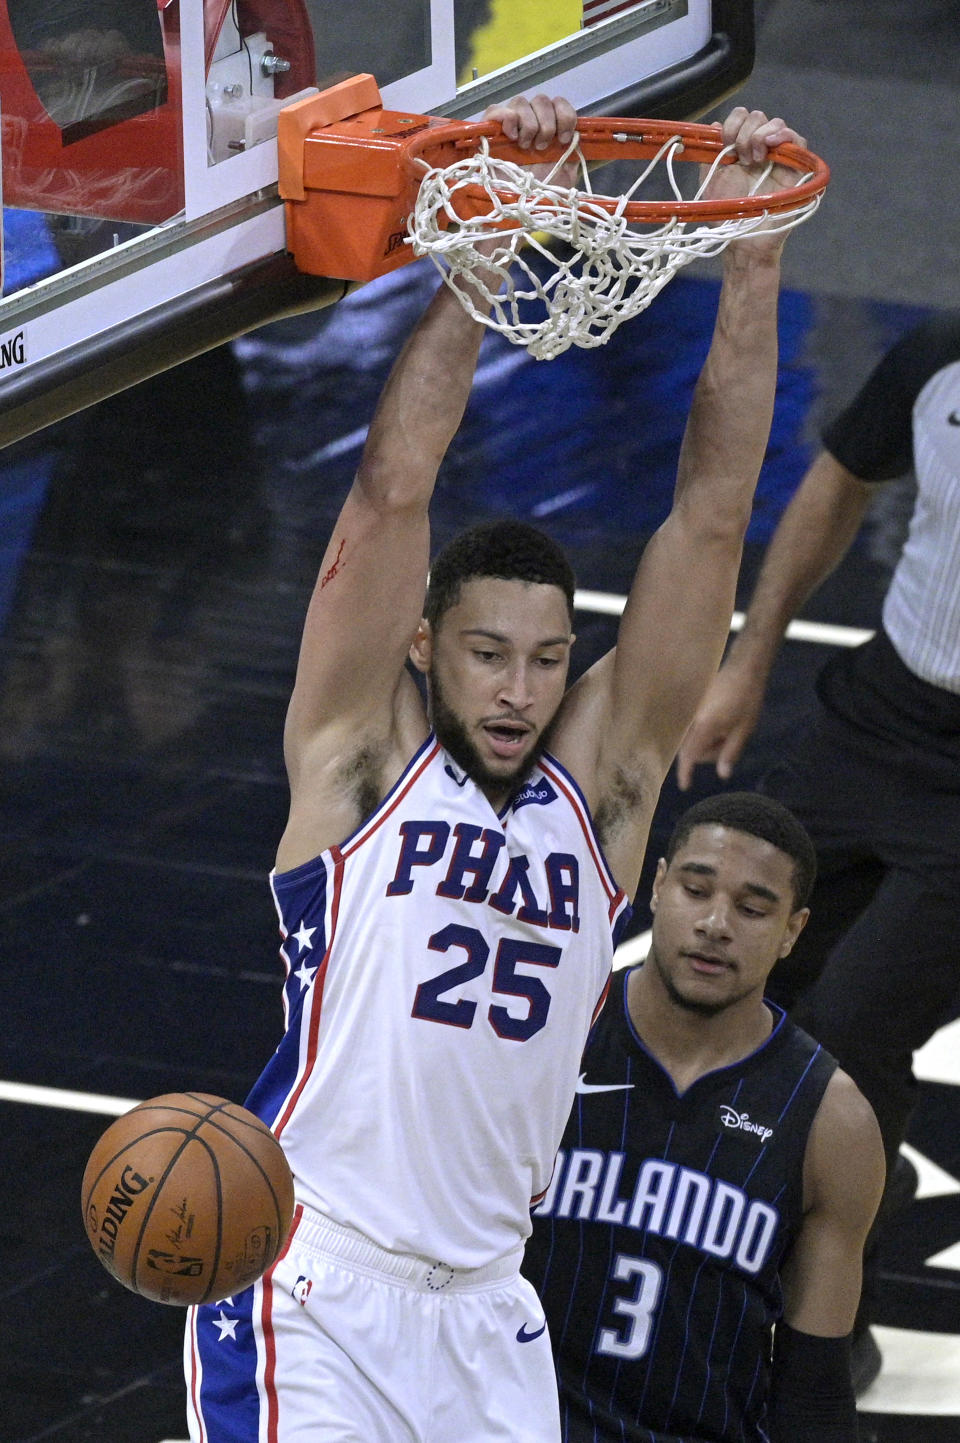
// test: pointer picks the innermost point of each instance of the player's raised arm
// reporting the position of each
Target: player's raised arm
(368, 596)
(355, 716)
(625, 719)
(812, 1397)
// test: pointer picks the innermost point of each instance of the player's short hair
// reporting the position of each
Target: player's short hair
(508, 550)
(758, 816)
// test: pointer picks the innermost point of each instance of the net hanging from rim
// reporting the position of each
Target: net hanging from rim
(614, 254)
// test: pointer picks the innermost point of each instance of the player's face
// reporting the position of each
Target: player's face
(497, 664)
(723, 916)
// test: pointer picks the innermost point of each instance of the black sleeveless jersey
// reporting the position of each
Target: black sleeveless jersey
(656, 1251)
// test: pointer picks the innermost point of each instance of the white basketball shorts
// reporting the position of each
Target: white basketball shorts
(343, 1342)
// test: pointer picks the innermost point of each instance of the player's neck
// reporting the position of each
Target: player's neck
(498, 795)
(688, 1044)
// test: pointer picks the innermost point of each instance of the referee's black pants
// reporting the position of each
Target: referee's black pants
(877, 969)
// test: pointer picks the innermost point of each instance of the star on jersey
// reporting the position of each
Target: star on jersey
(303, 937)
(227, 1326)
(306, 975)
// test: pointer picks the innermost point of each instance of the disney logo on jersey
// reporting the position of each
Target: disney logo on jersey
(740, 1121)
(539, 794)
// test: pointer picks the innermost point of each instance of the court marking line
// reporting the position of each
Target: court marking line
(920, 1375)
(606, 603)
(65, 1099)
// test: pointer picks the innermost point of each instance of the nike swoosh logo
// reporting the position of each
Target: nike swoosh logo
(602, 1086)
(524, 1337)
(954, 418)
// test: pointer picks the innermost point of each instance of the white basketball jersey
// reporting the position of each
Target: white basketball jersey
(444, 966)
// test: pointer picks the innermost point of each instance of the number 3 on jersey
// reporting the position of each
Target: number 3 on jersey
(633, 1338)
(430, 1005)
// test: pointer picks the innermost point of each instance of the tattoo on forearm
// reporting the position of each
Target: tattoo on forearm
(329, 575)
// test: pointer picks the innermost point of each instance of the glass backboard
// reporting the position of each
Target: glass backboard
(141, 218)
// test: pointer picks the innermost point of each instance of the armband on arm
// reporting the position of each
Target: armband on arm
(811, 1397)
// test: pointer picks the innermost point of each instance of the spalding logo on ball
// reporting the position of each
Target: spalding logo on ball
(187, 1199)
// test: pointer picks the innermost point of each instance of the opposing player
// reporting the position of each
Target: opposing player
(718, 1175)
(449, 884)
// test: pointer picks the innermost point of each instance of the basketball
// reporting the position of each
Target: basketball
(187, 1198)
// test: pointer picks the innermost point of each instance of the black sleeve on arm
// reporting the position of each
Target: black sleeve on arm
(811, 1394)
(873, 437)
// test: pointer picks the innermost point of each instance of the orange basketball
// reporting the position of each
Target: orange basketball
(187, 1198)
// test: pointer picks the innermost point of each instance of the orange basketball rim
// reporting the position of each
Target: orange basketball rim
(350, 172)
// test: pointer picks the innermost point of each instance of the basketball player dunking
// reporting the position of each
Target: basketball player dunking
(449, 886)
(718, 1175)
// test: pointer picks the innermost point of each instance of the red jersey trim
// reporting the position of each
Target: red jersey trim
(389, 804)
(269, 1337)
(569, 789)
(196, 1379)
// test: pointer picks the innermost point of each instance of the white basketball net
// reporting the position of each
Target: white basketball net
(609, 269)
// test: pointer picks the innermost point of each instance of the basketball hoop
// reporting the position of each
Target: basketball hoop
(367, 189)
(602, 259)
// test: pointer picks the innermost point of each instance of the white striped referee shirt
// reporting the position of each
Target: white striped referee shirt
(921, 612)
